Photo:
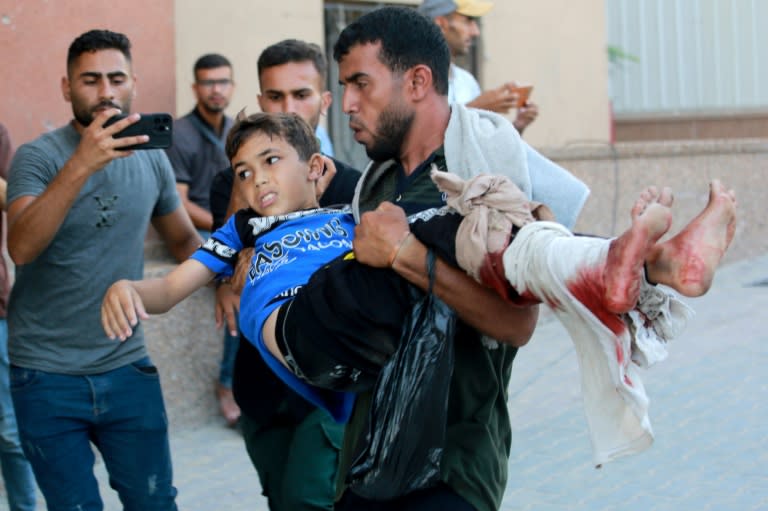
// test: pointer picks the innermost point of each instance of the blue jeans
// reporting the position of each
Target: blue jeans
(121, 412)
(17, 474)
(227, 366)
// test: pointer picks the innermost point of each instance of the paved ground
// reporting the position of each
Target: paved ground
(709, 409)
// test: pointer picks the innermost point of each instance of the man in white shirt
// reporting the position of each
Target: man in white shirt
(457, 20)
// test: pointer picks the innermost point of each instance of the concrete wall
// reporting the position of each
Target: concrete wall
(565, 61)
(559, 46)
(617, 175)
(239, 30)
(35, 36)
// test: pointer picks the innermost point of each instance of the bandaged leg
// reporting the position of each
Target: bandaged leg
(546, 261)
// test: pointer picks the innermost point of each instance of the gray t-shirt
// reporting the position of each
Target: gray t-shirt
(196, 156)
(54, 312)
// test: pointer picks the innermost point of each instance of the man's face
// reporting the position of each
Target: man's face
(374, 98)
(294, 87)
(272, 177)
(213, 88)
(96, 81)
(459, 31)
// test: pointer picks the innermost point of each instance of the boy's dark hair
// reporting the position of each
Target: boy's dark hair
(95, 40)
(211, 61)
(288, 126)
(293, 50)
(407, 39)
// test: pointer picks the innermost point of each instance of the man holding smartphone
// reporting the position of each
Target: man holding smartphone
(458, 20)
(79, 206)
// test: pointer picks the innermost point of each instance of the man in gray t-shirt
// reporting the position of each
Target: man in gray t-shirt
(79, 208)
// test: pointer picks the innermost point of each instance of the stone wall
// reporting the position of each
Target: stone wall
(617, 174)
(186, 346)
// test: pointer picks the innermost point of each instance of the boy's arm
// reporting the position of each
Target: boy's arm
(376, 244)
(128, 301)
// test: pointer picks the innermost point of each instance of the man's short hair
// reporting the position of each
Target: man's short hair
(95, 40)
(288, 126)
(470, 8)
(407, 39)
(293, 50)
(211, 61)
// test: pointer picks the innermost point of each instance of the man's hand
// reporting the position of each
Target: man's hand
(500, 100)
(227, 307)
(98, 147)
(379, 234)
(241, 270)
(329, 171)
(525, 116)
(121, 310)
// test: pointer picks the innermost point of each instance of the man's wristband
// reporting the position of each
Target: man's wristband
(397, 247)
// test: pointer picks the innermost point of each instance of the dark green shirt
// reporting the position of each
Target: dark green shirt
(478, 435)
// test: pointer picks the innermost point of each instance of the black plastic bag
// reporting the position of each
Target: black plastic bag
(406, 425)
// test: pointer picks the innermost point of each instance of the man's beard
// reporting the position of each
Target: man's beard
(391, 130)
(85, 115)
(213, 108)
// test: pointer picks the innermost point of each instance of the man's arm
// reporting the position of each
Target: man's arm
(501, 99)
(33, 221)
(201, 218)
(180, 236)
(376, 244)
(6, 154)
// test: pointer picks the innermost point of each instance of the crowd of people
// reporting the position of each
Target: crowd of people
(317, 267)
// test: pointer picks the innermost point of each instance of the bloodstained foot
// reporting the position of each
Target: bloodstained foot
(651, 219)
(687, 262)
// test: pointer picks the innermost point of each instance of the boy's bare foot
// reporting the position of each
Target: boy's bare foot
(651, 218)
(687, 262)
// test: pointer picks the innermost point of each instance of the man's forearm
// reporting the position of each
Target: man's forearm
(476, 305)
(34, 221)
(201, 218)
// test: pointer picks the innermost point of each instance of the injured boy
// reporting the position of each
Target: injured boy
(326, 323)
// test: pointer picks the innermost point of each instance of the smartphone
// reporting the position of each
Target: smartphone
(159, 127)
(523, 93)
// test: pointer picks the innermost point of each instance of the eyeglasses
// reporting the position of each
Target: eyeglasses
(209, 84)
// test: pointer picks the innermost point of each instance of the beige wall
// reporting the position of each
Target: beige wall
(557, 45)
(239, 30)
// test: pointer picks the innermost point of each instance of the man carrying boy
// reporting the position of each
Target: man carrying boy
(310, 311)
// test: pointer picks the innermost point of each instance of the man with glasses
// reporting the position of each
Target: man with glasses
(197, 154)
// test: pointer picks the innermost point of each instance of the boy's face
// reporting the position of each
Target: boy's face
(272, 177)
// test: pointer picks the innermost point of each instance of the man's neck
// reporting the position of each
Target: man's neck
(426, 134)
(214, 119)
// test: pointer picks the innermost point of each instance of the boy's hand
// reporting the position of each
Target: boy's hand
(329, 172)
(121, 310)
